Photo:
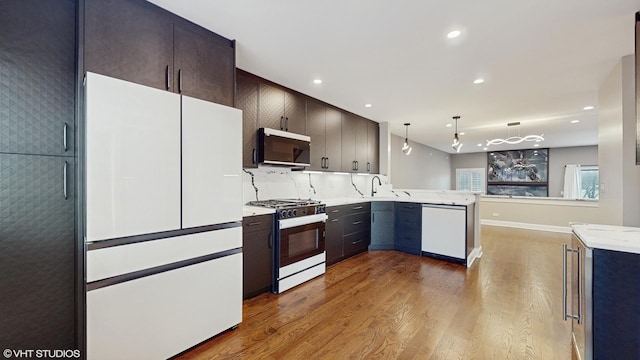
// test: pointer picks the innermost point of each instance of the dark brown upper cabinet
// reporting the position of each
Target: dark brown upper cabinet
(354, 143)
(324, 128)
(373, 149)
(247, 101)
(281, 110)
(137, 41)
(204, 64)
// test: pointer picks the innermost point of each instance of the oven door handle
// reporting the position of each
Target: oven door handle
(302, 220)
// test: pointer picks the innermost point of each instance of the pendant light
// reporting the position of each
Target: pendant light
(511, 140)
(406, 149)
(457, 145)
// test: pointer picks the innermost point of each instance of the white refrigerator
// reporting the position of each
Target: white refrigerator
(163, 220)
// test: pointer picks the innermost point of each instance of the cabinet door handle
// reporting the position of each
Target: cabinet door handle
(357, 208)
(579, 315)
(286, 123)
(255, 223)
(270, 240)
(564, 282)
(327, 163)
(334, 211)
(373, 217)
(167, 78)
(254, 156)
(357, 241)
(357, 222)
(334, 220)
(64, 180)
(368, 166)
(281, 122)
(65, 129)
(180, 81)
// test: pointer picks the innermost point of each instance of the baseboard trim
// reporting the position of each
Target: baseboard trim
(476, 253)
(519, 225)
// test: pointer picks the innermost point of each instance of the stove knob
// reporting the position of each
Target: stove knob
(283, 213)
(295, 212)
(289, 213)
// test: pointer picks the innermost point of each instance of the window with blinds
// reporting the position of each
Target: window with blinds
(470, 179)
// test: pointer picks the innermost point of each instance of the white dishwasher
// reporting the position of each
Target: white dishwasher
(444, 230)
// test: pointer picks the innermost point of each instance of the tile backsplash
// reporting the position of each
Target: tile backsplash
(282, 183)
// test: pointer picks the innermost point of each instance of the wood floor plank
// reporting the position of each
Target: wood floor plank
(392, 305)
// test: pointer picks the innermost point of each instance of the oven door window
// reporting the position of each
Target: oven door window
(301, 242)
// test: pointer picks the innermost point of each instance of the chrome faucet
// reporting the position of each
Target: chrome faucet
(373, 192)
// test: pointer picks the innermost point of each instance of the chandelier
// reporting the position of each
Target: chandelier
(511, 140)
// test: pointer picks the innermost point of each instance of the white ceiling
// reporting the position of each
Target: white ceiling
(542, 60)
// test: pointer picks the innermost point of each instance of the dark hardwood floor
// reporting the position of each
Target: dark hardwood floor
(392, 305)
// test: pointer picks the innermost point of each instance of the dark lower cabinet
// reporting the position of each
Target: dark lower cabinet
(333, 234)
(348, 231)
(257, 256)
(38, 272)
(37, 262)
(382, 220)
(408, 227)
(616, 292)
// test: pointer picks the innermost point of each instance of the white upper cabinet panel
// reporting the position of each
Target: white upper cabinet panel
(211, 163)
(132, 157)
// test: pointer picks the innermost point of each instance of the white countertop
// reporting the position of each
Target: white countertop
(402, 197)
(417, 199)
(608, 237)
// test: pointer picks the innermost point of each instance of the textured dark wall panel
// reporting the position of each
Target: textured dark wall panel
(37, 76)
(37, 253)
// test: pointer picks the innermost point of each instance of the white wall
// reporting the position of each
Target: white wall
(619, 176)
(425, 168)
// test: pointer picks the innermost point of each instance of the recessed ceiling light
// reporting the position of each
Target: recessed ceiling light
(588, 107)
(449, 125)
(478, 81)
(454, 34)
(462, 133)
(368, 105)
(479, 144)
(536, 145)
(575, 121)
(484, 149)
(317, 81)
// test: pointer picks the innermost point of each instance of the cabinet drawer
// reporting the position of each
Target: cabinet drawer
(356, 242)
(336, 211)
(357, 222)
(359, 207)
(257, 223)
